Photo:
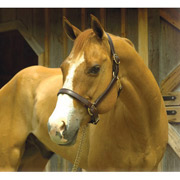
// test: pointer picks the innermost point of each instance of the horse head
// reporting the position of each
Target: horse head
(87, 71)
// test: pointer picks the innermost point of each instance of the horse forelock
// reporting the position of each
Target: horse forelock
(81, 41)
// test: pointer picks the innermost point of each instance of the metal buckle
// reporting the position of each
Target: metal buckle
(115, 56)
(89, 110)
(93, 119)
(117, 77)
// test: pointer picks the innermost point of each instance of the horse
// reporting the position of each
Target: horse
(126, 129)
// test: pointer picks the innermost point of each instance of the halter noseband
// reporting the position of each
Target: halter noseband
(92, 107)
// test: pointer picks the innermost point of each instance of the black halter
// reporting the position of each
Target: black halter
(92, 107)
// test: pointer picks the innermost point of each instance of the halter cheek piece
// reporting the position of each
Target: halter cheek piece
(92, 107)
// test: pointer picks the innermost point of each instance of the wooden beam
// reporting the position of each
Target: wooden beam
(173, 105)
(172, 16)
(171, 81)
(46, 39)
(143, 34)
(176, 101)
(174, 118)
(103, 16)
(18, 25)
(83, 19)
(154, 41)
(174, 139)
(64, 38)
(41, 59)
(123, 22)
(9, 26)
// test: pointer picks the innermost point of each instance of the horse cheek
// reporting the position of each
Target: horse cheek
(108, 102)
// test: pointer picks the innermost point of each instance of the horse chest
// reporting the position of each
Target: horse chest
(120, 151)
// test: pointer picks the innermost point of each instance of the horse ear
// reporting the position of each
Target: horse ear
(97, 27)
(71, 31)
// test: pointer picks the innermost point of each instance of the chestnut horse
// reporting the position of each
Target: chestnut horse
(132, 131)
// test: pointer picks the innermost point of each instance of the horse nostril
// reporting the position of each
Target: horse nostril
(62, 126)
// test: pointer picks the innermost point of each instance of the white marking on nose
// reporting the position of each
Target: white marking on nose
(64, 109)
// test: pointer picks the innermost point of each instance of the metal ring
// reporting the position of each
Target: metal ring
(117, 77)
(114, 58)
(89, 111)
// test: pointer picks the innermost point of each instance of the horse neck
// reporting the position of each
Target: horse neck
(140, 100)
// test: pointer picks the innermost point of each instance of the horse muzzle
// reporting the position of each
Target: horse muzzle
(61, 134)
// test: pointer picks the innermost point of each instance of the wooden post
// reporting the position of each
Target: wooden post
(174, 139)
(123, 22)
(64, 38)
(143, 34)
(103, 16)
(41, 59)
(154, 42)
(47, 36)
(83, 19)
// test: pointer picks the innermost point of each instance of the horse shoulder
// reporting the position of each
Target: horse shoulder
(45, 97)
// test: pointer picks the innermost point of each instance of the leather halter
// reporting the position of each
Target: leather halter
(92, 107)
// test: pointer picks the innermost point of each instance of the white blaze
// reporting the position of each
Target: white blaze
(64, 107)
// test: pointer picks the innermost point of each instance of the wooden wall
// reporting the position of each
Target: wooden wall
(44, 27)
(111, 19)
(169, 59)
(154, 32)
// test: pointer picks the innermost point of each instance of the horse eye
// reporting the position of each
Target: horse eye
(94, 70)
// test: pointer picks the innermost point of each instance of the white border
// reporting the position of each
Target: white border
(90, 3)
(91, 175)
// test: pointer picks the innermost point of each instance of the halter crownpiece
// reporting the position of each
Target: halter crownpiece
(92, 107)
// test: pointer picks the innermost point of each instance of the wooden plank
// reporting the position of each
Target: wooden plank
(103, 17)
(41, 59)
(64, 37)
(132, 25)
(123, 22)
(46, 38)
(169, 49)
(143, 34)
(95, 12)
(113, 21)
(38, 25)
(7, 14)
(154, 41)
(8, 26)
(56, 37)
(25, 15)
(83, 19)
(172, 16)
(174, 118)
(173, 105)
(171, 81)
(74, 16)
(174, 139)
(173, 102)
(29, 38)
(170, 161)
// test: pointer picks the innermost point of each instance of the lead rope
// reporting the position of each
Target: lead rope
(78, 155)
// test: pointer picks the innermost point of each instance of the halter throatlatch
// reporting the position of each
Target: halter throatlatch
(92, 107)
